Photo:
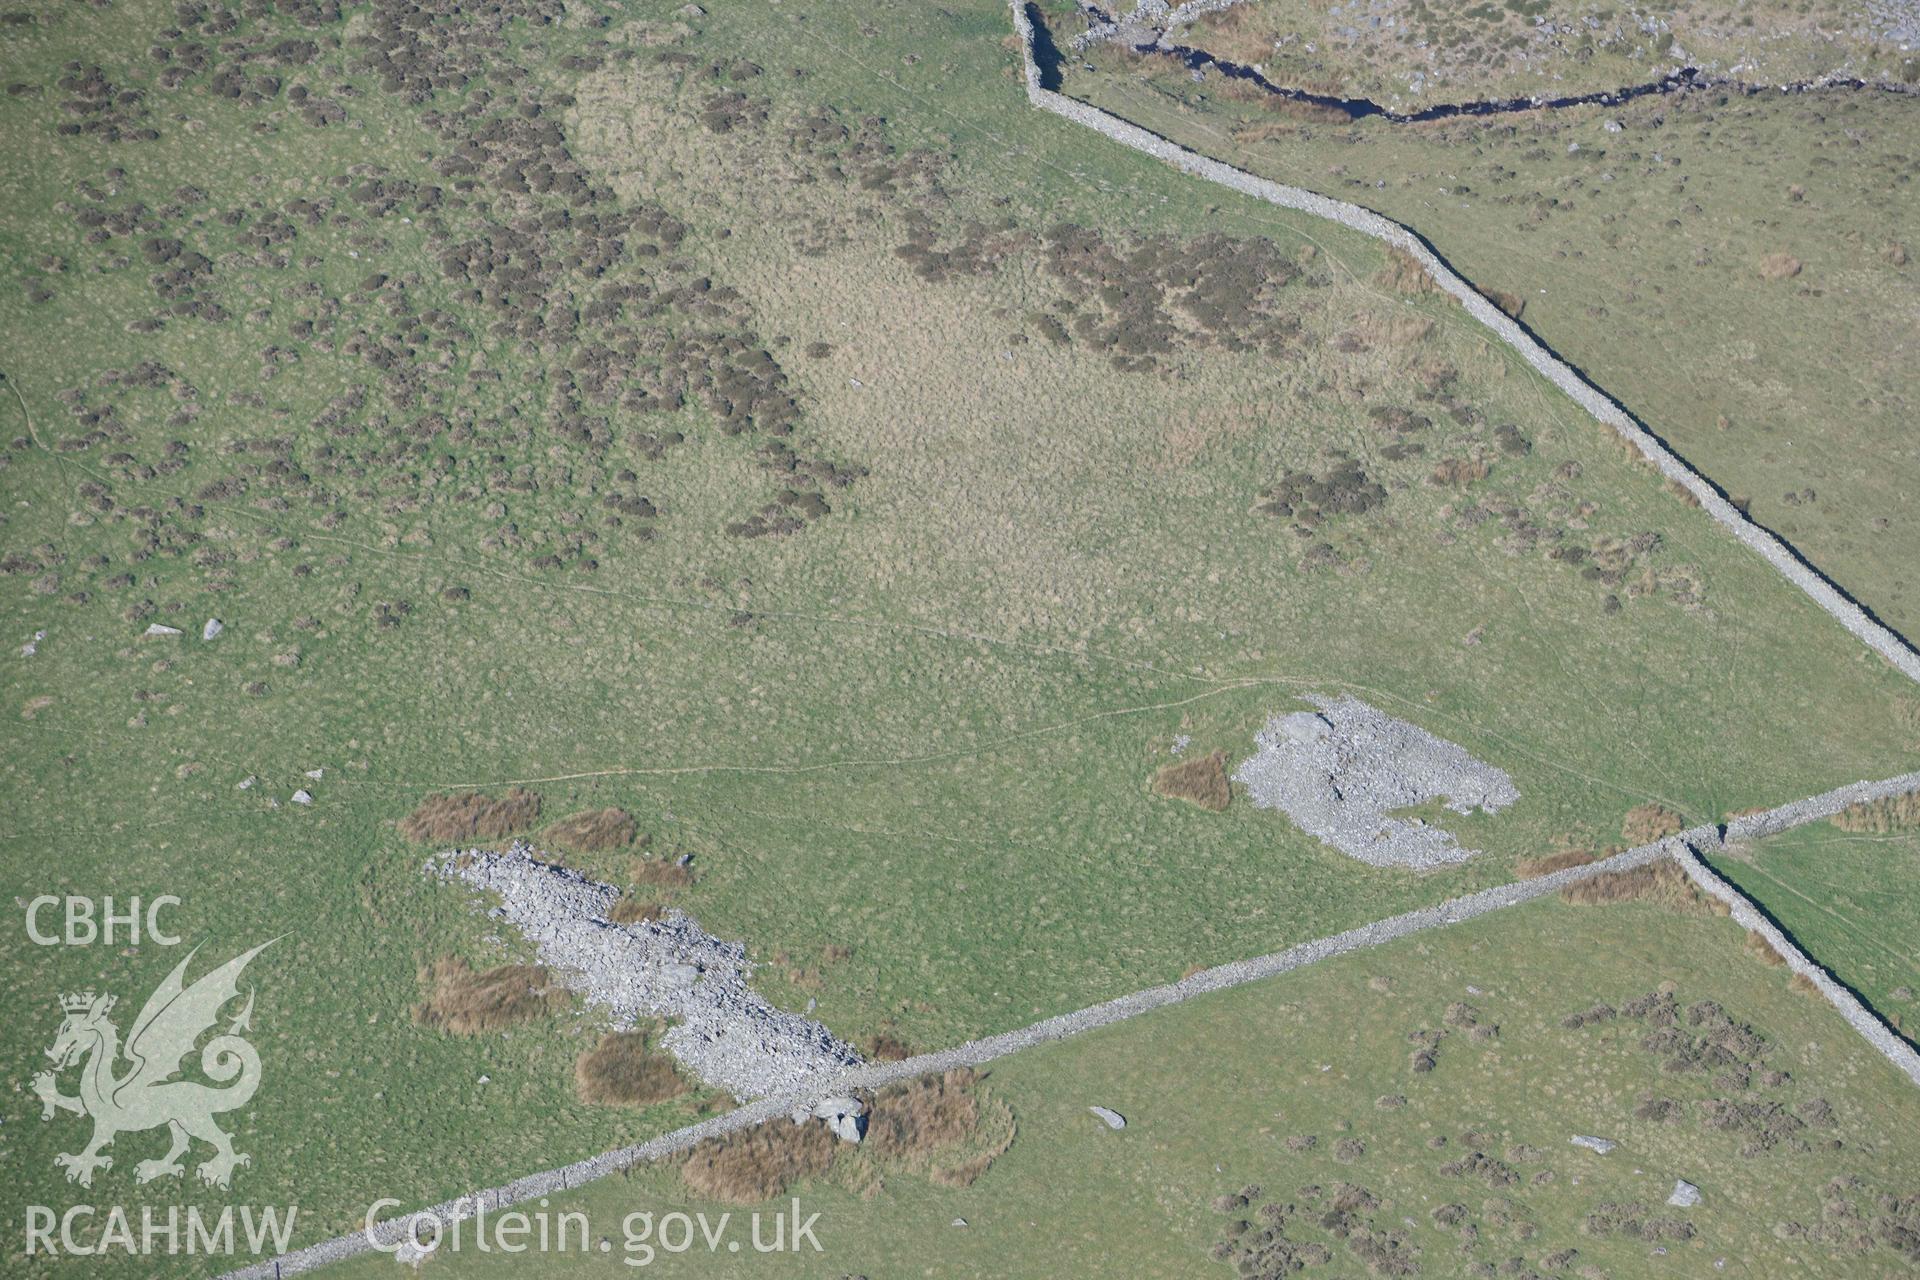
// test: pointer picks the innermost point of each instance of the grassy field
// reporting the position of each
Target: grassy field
(767, 425)
(1734, 269)
(1455, 1170)
(1848, 897)
(1409, 55)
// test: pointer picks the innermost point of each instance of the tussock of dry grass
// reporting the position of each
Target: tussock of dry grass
(1683, 493)
(1762, 950)
(659, 873)
(623, 1071)
(937, 1126)
(1779, 266)
(469, 815)
(1805, 986)
(883, 1046)
(1458, 473)
(1201, 780)
(1404, 273)
(1533, 868)
(1881, 817)
(468, 1003)
(1660, 883)
(632, 910)
(594, 831)
(752, 1165)
(940, 1125)
(1511, 303)
(1649, 822)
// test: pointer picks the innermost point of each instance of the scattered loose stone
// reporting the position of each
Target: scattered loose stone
(245, 783)
(1339, 772)
(724, 1031)
(316, 774)
(158, 629)
(1601, 1145)
(213, 628)
(1685, 1194)
(303, 796)
(1113, 1119)
(32, 646)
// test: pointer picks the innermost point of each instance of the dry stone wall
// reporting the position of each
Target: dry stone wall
(1782, 557)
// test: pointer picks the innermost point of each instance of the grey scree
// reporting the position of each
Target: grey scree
(725, 1032)
(1340, 771)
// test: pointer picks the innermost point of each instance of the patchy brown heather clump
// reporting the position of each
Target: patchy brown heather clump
(1661, 883)
(1534, 868)
(752, 1165)
(1881, 817)
(1404, 273)
(940, 1125)
(1458, 473)
(594, 831)
(468, 1003)
(1760, 949)
(659, 873)
(1201, 780)
(622, 1071)
(632, 910)
(1511, 303)
(1649, 822)
(883, 1046)
(1310, 499)
(469, 815)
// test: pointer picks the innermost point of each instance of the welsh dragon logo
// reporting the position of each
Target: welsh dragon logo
(146, 1095)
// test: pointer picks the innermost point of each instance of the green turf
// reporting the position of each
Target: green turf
(1643, 257)
(1213, 1091)
(1848, 899)
(921, 728)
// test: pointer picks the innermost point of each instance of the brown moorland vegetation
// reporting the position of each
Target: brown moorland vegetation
(1760, 949)
(883, 1046)
(1533, 868)
(624, 1071)
(1661, 883)
(660, 874)
(1881, 817)
(1779, 266)
(752, 1165)
(469, 815)
(937, 1126)
(1404, 273)
(917, 1123)
(1649, 822)
(632, 910)
(467, 1003)
(594, 831)
(1201, 780)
